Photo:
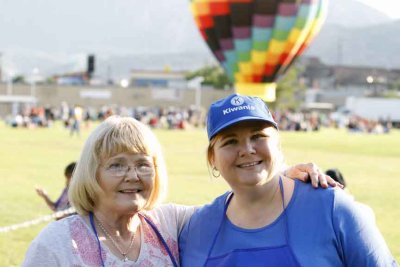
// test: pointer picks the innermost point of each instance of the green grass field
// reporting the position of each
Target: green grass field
(370, 163)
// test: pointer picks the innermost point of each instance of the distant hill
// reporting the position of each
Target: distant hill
(355, 34)
(375, 46)
(352, 13)
(152, 34)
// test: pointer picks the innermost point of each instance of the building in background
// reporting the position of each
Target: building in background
(158, 79)
(334, 84)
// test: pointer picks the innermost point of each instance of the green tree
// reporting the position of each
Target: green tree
(394, 85)
(19, 79)
(290, 90)
(213, 76)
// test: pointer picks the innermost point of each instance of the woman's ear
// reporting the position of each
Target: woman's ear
(212, 159)
(210, 156)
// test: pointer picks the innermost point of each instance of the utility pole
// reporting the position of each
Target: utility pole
(10, 77)
(1, 67)
(34, 74)
(339, 52)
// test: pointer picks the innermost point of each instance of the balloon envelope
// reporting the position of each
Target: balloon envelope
(257, 40)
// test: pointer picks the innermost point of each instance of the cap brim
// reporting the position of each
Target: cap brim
(246, 118)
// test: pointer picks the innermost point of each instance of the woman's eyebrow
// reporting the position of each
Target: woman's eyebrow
(119, 159)
(258, 128)
(229, 135)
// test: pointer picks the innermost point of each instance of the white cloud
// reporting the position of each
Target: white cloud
(389, 7)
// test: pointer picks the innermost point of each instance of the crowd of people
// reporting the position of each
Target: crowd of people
(314, 121)
(73, 116)
(32, 117)
(301, 121)
(357, 124)
(183, 118)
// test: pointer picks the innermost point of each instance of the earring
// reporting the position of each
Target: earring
(215, 172)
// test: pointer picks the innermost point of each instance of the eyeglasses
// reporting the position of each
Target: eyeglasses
(142, 169)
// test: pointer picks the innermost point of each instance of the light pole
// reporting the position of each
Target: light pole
(10, 82)
(1, 67)
(35, 71)
(198, 93)
(370, 81)
(195, 84)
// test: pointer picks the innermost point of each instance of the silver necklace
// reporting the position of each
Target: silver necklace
(123, 253)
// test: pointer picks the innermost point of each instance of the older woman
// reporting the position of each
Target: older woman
(117, 186)
(268, 219)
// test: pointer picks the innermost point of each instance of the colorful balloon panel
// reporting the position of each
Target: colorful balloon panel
(314, 28)
(256, 40)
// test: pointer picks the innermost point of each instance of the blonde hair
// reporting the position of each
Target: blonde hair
(115, 135)
(277, 159)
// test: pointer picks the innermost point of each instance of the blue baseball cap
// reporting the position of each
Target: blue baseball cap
(236, 108)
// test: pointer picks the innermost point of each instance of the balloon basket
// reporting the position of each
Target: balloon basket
(265, 91)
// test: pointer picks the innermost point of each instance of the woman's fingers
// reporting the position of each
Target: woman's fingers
(333, 183)
(311, 172)
(314, 173)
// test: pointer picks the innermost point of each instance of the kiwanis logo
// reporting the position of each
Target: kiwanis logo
(237, 101)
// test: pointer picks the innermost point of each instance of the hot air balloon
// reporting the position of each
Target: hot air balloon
(256, 41)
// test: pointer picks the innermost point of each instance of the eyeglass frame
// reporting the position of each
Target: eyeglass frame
(127, 168)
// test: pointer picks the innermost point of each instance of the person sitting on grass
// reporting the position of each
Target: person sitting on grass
(337, 175)
(62, 202)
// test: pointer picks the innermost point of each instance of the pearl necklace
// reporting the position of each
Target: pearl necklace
(123, 253)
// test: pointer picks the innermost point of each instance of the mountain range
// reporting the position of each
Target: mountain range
(56, 36)
(356, 35)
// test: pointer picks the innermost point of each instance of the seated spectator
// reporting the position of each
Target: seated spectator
(62, 202)
(336, 175)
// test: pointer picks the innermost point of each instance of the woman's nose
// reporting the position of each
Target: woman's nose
(131, 174)
(247, 147)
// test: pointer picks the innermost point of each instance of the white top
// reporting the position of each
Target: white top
(71, 242)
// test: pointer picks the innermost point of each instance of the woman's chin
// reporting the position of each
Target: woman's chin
(130, 207)
(255, 180)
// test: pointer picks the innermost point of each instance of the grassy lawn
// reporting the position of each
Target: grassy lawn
(370, 163)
